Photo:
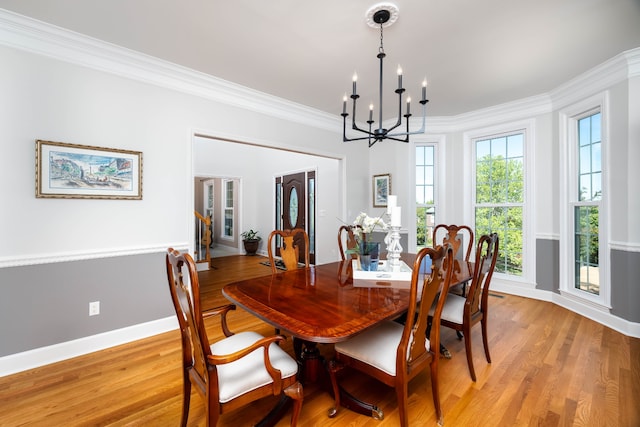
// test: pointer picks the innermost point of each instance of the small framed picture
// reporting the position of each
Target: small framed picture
(71, 171)
(381, 190)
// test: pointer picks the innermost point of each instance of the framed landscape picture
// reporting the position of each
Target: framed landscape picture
(381, 190)
(72, 171)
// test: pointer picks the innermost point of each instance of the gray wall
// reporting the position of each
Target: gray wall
(49, 303)
(625, 285)
(547, 265)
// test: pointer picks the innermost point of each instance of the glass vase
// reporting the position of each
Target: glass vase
(369, 256)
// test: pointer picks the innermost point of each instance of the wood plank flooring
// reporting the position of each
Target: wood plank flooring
(551, 367)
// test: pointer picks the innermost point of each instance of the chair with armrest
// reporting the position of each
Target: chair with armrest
(293, 241)
(347, 241)
(461, 313)
(233, 371)
(394, 353)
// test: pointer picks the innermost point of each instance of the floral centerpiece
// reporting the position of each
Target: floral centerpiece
(368, 252)
(365, 225)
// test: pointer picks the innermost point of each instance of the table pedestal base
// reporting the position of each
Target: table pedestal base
(347, 400)
(310, 360)
(313, 369)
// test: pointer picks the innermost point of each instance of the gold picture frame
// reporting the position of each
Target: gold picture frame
(72, 171)
(381, 190)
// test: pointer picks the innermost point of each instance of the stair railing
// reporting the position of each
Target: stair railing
(203, 239)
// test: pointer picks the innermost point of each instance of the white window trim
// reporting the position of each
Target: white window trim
(527, 127)
(568, 174)
(438, 142)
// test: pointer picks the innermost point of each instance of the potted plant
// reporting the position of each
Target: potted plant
(251, 241)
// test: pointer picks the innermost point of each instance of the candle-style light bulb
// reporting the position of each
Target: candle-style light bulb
(355, 79)
(408, 105)
(344, 104)
(399, 77)
(424, 89)
(371, 112)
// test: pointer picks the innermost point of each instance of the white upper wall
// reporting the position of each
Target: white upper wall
(59, 86)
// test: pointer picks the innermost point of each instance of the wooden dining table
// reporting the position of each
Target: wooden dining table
(321, 304)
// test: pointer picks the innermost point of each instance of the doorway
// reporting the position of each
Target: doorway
(216, 197)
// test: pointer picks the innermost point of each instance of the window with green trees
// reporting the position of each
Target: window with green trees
(586, 209)
(425, 195)
(499, 196)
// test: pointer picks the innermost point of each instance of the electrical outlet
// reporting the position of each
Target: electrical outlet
(94, 308)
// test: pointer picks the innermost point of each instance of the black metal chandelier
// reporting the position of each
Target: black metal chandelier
(381, 14)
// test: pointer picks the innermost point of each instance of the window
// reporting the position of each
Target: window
(500, 196)
(425, 195)
(228, 208)
(586, 211)
(583, 201)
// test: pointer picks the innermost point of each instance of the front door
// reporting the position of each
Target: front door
(295, 205)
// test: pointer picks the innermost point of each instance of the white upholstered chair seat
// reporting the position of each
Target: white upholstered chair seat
(453, 308)
(377, 346)
(248, 373)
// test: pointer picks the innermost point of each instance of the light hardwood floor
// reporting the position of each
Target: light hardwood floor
(551, 367)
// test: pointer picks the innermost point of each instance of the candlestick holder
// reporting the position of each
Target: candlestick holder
(394, 249)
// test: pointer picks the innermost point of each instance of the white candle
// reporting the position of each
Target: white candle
(355, 79)
(424, 89)
(396, 216)
(391, 202)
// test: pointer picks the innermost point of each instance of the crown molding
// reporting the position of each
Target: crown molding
(27, 34)
(24, 33)
(617, 69)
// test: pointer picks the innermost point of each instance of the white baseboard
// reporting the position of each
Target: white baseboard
(30, 359)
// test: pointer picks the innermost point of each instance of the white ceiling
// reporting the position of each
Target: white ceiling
(474, 53)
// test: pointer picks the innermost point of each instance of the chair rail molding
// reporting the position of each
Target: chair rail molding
(20, 261)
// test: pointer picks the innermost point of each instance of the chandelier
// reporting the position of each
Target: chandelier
(379, 15)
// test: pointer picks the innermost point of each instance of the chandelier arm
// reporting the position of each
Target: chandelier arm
(415, 132)
(354, 127)
(362, 138)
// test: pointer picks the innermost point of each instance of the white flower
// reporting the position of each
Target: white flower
(368, 223)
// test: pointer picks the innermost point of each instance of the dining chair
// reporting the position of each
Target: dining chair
(347, 241)
(237, 369)
(292, 242)
(461, 313)
(394, 353)
(455, 235)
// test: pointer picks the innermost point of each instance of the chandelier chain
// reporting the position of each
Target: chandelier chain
(381, 48)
